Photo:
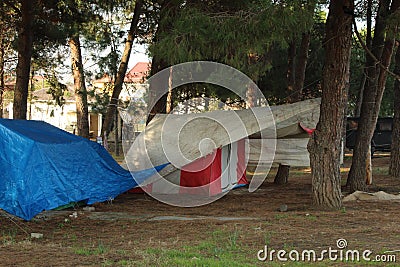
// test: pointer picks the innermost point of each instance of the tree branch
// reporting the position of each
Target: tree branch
(371, 54)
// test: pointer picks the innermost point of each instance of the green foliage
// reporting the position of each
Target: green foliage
(57, 89)
(101, 99)
(250, 36)
(274, 83)
(240, 36)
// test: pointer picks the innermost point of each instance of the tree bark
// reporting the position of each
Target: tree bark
(357, 109)
(368, 42)
(291, 70)
(116, 136)
(394, 168)
(296, 76)
(123, 66)
(282, 175)
(169, 105)
(301, 64)
(372, 98)
(82, 114)
(24, 47)
(1, 75)
(325, 144)
(157, 99)
(251, 100)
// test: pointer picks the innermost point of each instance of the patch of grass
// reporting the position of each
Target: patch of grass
(281, 216)
(86, 251)
(267, 239)
(380, 170)
(107, 263)
(82, 251)
(8, 237)
(126, 263)
(72, 237)
(311, 217)
(223, 248)
(122, 252)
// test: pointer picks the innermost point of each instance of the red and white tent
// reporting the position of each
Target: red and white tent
(218, 172)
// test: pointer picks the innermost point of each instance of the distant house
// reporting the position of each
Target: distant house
(134, 81)
(43, 107)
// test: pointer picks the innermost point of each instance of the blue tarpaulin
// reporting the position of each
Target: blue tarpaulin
(43, 167)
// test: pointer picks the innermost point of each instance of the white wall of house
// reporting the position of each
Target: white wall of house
(63, 117)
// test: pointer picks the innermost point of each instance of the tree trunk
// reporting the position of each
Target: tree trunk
(394, 168)
(282, 175)
(116, 128)
(296, 75)
(357, 109)
(1, 76)
(373, 92)
(301, 64)
(169, 105)
(82, 114)
(251, 100)
(119, 80)
(24, 47)
(325, 144)
(157, 99)
(291, 70)
(368, 42)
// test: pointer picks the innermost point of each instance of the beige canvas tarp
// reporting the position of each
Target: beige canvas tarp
(291, 139)
(181, 139)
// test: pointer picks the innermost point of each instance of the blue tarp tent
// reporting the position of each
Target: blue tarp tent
(43, 167)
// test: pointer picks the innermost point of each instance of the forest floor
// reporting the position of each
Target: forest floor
(136, 230)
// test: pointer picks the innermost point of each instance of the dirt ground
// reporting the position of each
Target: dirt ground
(127, 231)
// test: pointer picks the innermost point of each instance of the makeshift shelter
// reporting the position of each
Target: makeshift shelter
(218, 172)
(177, 139)
(43, 167)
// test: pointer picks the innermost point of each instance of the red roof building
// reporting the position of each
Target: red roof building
(138, 74)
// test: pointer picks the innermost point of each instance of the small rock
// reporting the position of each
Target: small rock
(36, 235)
(89, 208)
(74, 215)
(283, 208)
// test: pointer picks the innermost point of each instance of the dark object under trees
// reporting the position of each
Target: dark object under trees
(123, 66)
(325, 144)
(24, 47)
(82, 113)
(382, 138)
(394, 168)
(382, 49)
